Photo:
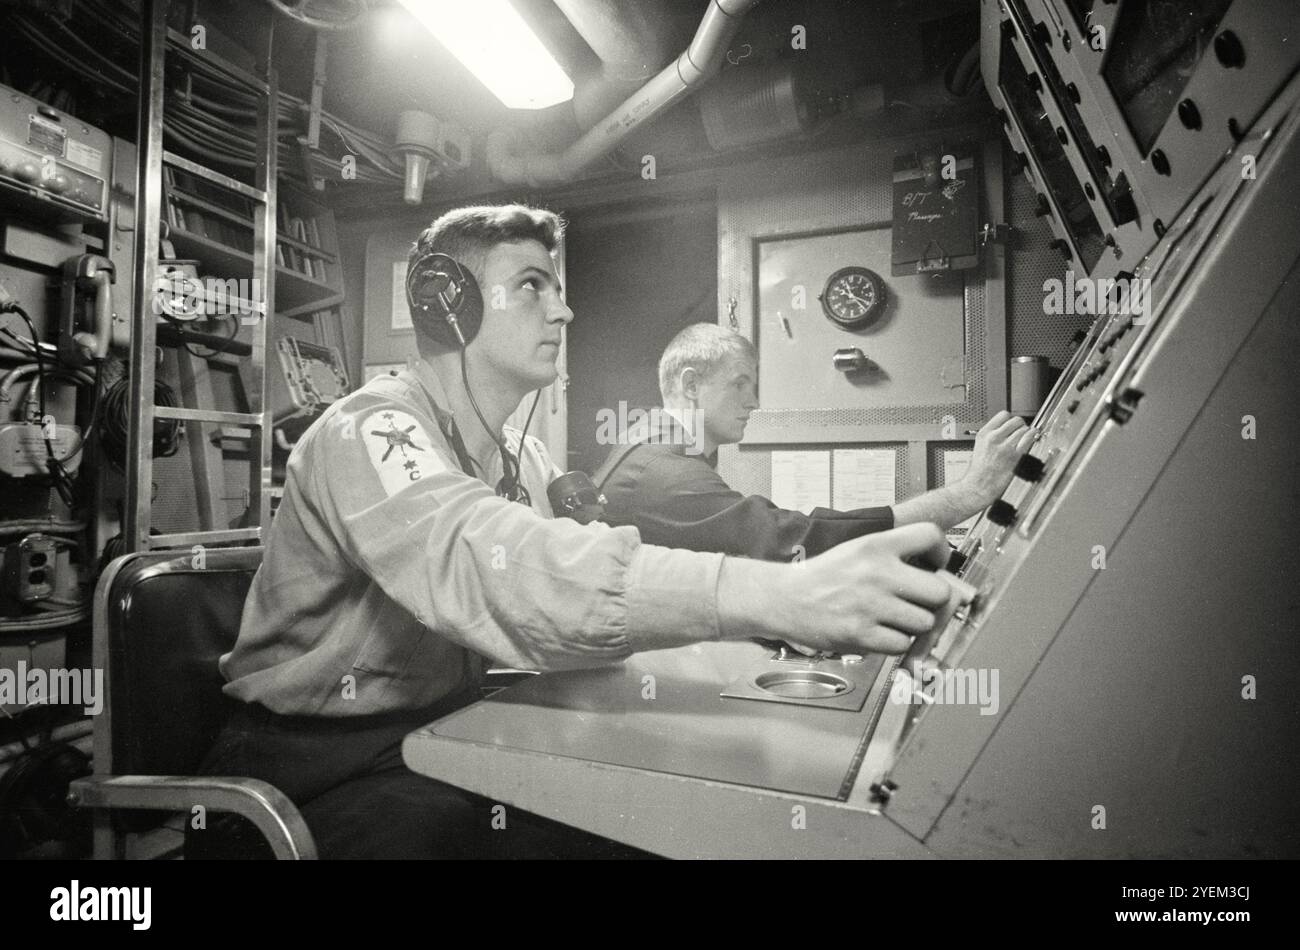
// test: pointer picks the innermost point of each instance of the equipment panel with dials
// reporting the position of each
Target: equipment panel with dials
(55, 162)
(1118, 113)
(1077, 608)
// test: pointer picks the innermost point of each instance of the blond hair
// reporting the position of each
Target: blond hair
(704, 347)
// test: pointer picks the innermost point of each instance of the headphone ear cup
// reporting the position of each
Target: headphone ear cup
(439, 287)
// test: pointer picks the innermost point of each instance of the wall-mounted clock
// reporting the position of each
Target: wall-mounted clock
(854, 297)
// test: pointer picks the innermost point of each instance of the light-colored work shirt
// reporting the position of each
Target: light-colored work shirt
(391, 575)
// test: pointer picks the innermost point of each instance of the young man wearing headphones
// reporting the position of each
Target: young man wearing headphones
(414, 545)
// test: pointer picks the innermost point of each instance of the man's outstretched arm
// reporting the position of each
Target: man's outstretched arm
(998, 448)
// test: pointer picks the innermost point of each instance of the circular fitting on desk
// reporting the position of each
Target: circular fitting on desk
(803, 684)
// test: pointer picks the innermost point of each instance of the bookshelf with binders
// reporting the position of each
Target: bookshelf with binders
(215, 227)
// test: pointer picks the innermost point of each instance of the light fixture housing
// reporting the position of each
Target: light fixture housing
(492, 41)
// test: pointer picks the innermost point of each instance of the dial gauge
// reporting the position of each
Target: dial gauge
(854, 297)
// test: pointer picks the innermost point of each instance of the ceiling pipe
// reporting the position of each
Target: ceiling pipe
(674, 82)
(632, 42)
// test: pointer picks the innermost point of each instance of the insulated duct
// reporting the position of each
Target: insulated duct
(750, 106)
(674, 82)
(632, 43)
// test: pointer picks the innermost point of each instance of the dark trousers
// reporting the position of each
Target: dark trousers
(360, 800)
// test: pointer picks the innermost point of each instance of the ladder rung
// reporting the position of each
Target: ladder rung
(186, 538)
(253, 419)
(225, 181)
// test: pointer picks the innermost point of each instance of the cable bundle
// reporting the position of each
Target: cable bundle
(36, 396)
(117, 420)
(213, 116)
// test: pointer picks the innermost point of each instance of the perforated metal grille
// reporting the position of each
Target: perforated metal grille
(174, 505)
(1032, 332)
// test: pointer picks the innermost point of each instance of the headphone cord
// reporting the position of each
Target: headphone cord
(509, 466)
(529, 421)
(523, 441)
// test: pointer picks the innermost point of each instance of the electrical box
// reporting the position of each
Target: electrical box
(50, 161)
(314, 374)
(23, 451)
(31, 568)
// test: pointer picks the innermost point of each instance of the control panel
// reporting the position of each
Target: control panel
(52, 161)
(1080, 606)
(1116, 113)
(1093, 392)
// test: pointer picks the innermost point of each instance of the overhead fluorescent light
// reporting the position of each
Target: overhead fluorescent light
(493, 42)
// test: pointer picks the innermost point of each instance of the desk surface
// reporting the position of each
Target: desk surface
(648, 750)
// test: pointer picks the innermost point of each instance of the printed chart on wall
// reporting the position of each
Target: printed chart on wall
(955, 464)
(864, 478)
(801, 480)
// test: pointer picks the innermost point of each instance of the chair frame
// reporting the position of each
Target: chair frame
(270, 810)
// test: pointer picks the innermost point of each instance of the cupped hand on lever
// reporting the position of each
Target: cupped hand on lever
(858, 597)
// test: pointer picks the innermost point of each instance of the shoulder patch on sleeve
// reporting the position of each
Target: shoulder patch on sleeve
(399, 448)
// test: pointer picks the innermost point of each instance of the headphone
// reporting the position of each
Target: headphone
(446, 299)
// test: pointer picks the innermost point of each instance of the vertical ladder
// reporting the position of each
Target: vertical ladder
(148, 218)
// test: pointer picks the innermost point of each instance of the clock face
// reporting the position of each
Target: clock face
(854, 297)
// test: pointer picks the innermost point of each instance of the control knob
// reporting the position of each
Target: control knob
(1002, 513)
(1030, 468)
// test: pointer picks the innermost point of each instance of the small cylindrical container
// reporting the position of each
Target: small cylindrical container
(1029, 384)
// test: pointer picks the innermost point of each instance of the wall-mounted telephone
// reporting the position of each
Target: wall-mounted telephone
(86, 309)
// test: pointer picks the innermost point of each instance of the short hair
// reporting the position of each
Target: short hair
(467, 234)
(704, 347)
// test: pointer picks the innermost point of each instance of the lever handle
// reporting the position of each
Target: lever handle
(960, 594)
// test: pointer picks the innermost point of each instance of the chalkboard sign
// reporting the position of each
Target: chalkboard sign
(936, 207)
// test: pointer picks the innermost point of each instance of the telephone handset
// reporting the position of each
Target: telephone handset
(84, 331)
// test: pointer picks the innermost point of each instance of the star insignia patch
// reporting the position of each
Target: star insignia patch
(399, 449)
